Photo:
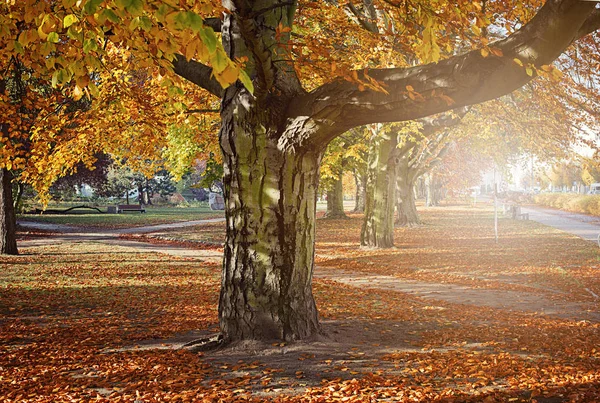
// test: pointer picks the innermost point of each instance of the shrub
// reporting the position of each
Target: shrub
(587, 204)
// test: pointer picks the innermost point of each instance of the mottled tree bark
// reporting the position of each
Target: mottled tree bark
(378, 225)
(407, 208)
(335, 200)
(148, 195)
(141, 196)
(361, 193)
(270, 194)
(432, 195)
(8, 220)
(18, 197)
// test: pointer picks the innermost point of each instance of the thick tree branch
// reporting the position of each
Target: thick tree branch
(192, 111)
(466, 79)
(367, 24)
(432, 124)
(428, 167)
(428, 156)
(197, 73)
(591, 24)
(214, 23)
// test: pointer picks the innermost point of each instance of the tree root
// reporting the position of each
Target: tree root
(204, 344)
(408, 224)
(335, 216)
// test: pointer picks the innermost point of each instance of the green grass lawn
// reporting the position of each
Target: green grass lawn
(153, 215)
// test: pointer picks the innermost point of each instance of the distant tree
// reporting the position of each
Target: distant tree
(416, 158)
(590, 172)
(378, 223)
(345, 153)
(160, 184)
(95, 176)
(212, 174)
(564, 174)
(202, 177)
(119, 183)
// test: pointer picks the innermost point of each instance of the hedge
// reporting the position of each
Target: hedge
(587, 204)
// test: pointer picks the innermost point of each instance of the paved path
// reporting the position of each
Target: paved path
(69, 233)
(46, 226)
(581, 225)
(532, 302)
(162, 227)
(111, 233)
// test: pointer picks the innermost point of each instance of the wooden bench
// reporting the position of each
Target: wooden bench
(515, 212)
(130, 207)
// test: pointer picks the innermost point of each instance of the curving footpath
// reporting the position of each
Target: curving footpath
(586, 227)
(67, 233)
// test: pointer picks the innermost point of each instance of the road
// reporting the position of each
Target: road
(581, 225)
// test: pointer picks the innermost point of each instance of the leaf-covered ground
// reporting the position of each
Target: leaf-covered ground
(84, 321)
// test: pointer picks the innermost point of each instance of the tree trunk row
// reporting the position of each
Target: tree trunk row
(378, 224)
(8, 220)
(335, 200)
(360, 197)
(407, 209)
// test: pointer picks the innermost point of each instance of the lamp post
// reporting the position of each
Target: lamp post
(495, 205)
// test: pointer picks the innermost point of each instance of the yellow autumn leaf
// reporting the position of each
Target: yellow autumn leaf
(77, 93)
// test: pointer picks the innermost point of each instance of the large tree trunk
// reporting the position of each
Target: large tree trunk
(361, 192)
(148, 195)
(270, 195)
(432, 195)
(335, 200)
(141, 198)
(378, 225)
(436, 190)
(8, 220)
(407, 208)
(18, 197)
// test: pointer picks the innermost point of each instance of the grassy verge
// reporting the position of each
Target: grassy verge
(585, 204)
(153, 215)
